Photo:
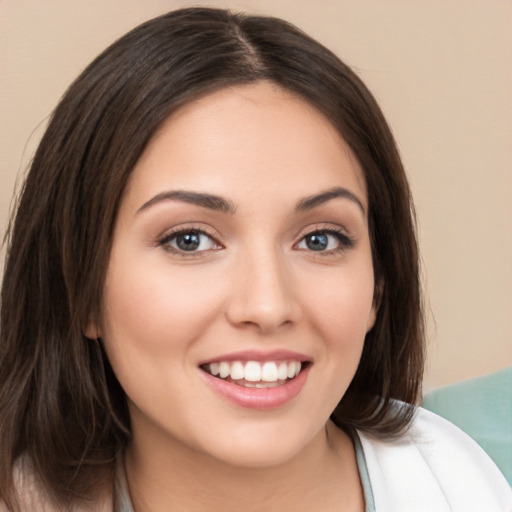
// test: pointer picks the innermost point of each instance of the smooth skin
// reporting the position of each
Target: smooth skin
(278, 259)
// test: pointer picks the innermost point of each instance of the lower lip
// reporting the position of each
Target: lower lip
(258, 398)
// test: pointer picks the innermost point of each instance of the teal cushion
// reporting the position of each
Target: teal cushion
(482, 407)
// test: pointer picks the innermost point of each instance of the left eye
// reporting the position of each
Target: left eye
(189, 241)
(321, 241)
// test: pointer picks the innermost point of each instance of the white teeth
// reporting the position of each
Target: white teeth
(269, 372)
(237, 371)
(261, 385)
(215, 368)
(224, 369)
(254, 373)
(282, 371)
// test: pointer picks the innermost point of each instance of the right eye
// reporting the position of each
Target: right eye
(188, 241)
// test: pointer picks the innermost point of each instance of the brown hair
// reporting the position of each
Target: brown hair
(60, 403)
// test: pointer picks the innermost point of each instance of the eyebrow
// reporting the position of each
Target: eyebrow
(217, 203)
(209, 201)
(315, 200)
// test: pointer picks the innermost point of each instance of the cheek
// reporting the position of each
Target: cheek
(150, 311)
(339, 319)
(151, 322)
(343, 312)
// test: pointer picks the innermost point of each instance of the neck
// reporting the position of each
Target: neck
(323, 476)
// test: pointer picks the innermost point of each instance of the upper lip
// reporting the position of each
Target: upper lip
(258, 355)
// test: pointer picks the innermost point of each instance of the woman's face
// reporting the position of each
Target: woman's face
(240, 257)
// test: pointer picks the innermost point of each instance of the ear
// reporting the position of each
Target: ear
(92, 331)
(377, 297)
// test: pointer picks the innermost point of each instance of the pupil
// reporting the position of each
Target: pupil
(317, 242)
(188, 242)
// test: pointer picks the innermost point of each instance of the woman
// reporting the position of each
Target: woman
(211, 296)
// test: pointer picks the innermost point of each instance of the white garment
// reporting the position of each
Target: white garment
(433, 467)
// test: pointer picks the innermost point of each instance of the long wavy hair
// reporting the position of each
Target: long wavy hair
(61, 406)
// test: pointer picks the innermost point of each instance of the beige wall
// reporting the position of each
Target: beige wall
(442, 72)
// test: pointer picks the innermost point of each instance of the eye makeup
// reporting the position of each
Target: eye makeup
(189, 241)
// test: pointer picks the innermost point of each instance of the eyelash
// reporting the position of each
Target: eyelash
(345, 241)
(165, 241)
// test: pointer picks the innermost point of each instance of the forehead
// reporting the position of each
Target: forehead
(251, 136)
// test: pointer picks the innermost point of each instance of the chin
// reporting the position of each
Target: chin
(261, 447)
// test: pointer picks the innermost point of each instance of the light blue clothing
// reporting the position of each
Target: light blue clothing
(363, 475)
(433, 466)
(482, 407)
(122, 501)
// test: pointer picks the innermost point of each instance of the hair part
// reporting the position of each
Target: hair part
(60, 403)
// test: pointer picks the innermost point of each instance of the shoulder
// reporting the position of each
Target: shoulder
(32, 497)
(29, 494)
(481, 407)
(433, 466)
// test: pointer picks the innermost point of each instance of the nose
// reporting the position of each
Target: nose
(263, 295)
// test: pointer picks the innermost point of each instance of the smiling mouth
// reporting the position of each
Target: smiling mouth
(255, 374)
